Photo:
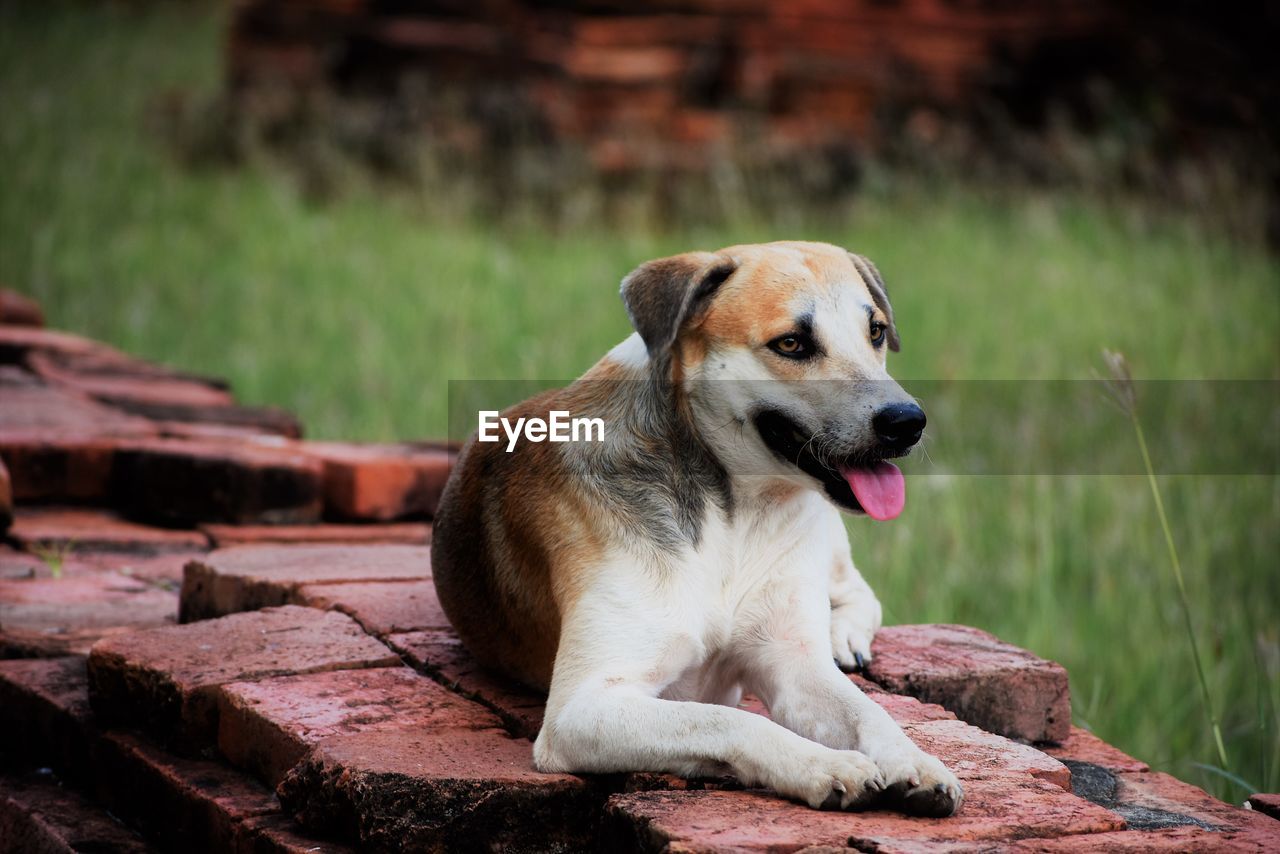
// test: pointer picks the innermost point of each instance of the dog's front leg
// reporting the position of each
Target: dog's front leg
(604, 715)
(805, 692)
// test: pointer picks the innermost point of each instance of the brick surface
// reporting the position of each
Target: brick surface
(381, 607)
(402, 533)
(987, 682)
(1173, 839)
(187, 481)
(6, 498)
(45, 719)
(1083, 746)
(244, 578)
(194, 805)
(278, 834)
(58, 616)
(165, 680)
(266, 727)
(1266, 804)
(268, 420)
(162, 570)
(382, 482)
(995, 810)
(19, 310)
(442, 655)
(37, 816)
(17, 343)
(125, 379)
(98, 530)
(972, 753)
(422, 791)
(59, 445)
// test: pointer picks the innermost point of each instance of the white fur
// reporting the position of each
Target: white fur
(654, 657)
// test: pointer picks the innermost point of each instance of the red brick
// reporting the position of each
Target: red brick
(995, 809)
(244, 578)
(125, 379)
(972, 753)
(382, 482)
(165, 680)
(187, 481)
(1155, 799)
(1173, 839)
(99, 531)
(461, 790)
(268, 421)
(1083, 746)
(381, 607)
(442, 655)
(59, 616)
(194, 805)
(266, 727)
(989, 683)
(19, 310)
(37, 816)
(162, 570)
(403, 533)
(278, 834)
(16, 343)
(6, 498)
(1266, 804)
(59, 445)
(44, 713)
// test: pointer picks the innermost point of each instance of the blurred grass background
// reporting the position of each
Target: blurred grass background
(357, 311)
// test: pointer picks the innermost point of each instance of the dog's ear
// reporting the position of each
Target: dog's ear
(662, 296)
(875, 284)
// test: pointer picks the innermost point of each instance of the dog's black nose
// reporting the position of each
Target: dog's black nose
(899, 425)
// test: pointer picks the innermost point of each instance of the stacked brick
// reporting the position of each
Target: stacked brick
(213, 687)
(658, 84)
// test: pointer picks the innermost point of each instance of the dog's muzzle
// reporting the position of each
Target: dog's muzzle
(862, 481)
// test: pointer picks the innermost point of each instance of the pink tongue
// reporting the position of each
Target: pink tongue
(880, 489)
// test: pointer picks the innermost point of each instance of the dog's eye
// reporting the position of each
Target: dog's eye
(792, 346)
(877, 333)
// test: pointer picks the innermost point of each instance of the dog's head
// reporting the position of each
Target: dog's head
(780, 349)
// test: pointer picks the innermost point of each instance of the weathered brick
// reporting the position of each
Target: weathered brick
(59, 616)
(995, 809)
(123, 378)
(165, 680)
(19, 309)
(18, 342)
(381, 607)
(972, 753)
(279, 834)
(195, 805)
(443, 656)
(86, 529)
(1083, 746)
(382, 482)
(1173, 839)
(59, 445)
(6, 498)
(270, 421)
(402, 533)
(461, 790)
(989, 683)
(244, 578)
(187, 481)
(266, 727)
(37, 816)
(1266, 804)
(45, 719)
(163, 570)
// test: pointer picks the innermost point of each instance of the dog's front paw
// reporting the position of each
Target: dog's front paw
(853, 626)
(830, 779)
(919, 784)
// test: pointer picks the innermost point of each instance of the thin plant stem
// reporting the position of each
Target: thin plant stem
(1182, 589)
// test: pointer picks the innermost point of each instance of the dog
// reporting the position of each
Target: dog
(647, 580)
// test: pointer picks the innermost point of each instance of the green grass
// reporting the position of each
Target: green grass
(356, 313)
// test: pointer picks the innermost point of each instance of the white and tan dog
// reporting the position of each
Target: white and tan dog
(647, 580)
